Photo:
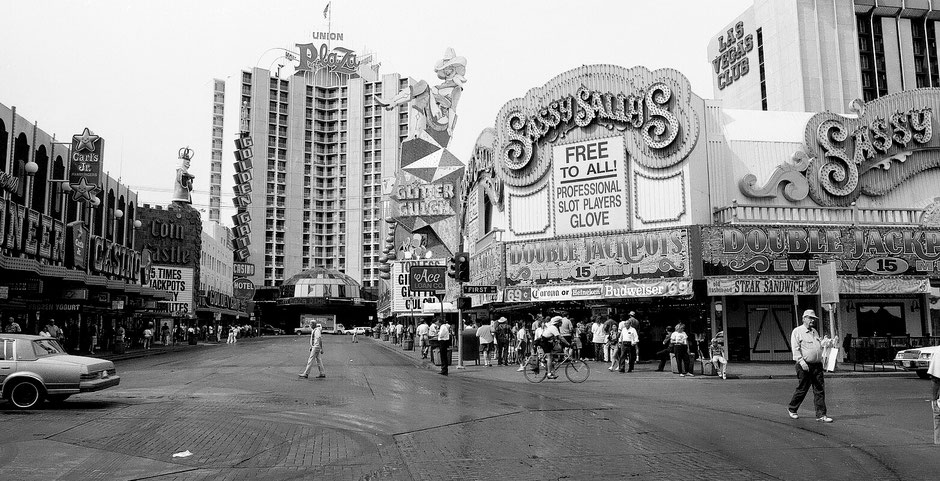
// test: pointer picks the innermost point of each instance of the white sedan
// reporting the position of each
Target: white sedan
(33, 368)
(917, 359)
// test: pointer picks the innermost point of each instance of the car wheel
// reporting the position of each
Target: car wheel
(922, 373)
(25, 394)
(58, 398)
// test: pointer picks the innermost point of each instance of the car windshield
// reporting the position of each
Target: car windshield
(47, 347)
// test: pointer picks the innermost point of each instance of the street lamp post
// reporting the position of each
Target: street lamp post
(118, 215)
(31, 169)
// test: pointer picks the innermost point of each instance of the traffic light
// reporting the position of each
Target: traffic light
(452, 267)
(462, 266)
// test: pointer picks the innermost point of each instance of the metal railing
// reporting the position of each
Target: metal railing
(852, 215)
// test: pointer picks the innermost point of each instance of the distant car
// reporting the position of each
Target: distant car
(358, 330)
(34, 368)
(271, 330)
(340, 329)
(303, 330)
(917, 359)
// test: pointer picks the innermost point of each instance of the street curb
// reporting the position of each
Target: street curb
(427, 364)
(157, 351)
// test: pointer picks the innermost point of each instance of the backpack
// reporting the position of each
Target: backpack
(503, 334)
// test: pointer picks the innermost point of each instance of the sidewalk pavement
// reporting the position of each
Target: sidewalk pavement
(647, 369)
(158, 349)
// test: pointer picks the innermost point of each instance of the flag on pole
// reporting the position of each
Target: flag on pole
(326, 11)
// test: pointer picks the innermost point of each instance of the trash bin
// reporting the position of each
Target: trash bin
(192, 340)
(118, 346)
(471, 346)
(408, 344)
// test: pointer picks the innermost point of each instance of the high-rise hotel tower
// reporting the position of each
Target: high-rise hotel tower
(321, 147)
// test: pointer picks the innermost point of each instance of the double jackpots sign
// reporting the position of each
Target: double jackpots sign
(426, 278)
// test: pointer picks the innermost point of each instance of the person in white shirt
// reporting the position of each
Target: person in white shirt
(423, 339)
(680, 344)
(521, 345)
(598, 338)
(443, 340)
(398, 330)
(628, 341)
(316, 349)
(547, 337)
(485, 335)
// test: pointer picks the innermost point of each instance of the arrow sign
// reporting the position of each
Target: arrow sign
(467, 290)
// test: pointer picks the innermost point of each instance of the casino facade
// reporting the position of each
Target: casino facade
(610, 189)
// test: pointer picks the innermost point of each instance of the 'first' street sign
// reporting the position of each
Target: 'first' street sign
(467, 290)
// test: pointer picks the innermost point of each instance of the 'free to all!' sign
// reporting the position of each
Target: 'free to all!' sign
(590, 186)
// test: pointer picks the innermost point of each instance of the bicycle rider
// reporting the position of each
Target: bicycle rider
(547, 341)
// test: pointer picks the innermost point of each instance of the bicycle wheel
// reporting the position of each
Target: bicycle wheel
(534, 370)
(577, 370)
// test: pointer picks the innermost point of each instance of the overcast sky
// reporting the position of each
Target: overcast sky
(139, 73)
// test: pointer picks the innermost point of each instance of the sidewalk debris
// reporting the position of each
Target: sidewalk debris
(183, 454)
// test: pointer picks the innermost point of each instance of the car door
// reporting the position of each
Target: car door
(7, 364)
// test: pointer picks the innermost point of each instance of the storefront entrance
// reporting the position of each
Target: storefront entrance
(769, 327)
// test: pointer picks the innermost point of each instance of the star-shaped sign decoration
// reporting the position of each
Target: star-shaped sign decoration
(83, 191)
(85, 141)
(425, 158)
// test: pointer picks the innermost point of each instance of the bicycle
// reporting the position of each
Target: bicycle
(535, 368)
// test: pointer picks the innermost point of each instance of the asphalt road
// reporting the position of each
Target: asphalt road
(242, 413)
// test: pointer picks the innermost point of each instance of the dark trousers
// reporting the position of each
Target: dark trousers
(627, 356)
(435, 345)
(813, 377)
(682, 359)
(445, 355)
(502, 353)
(599, 351)
(663, 358)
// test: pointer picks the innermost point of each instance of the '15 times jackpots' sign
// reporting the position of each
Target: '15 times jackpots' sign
(799, 250)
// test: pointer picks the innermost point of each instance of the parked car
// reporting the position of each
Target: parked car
(303, 330)
(34, 368)
(358, 330)
(270, 330)
(917, 359)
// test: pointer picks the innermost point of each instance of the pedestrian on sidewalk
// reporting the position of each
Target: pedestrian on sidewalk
(663, 355)
(443, 341)
(165, 334)
(613, 344)
(680, 347)
(485, 335)
(807, 350)
(503, 337)
(93, 338)
(933, 370)
(13, 327)
(522, 345)
(628, 341)
(232, 332)
(316, 349)
(598, 339)
(432, 339)
(148, 335)
(423, 338)
(716, 349)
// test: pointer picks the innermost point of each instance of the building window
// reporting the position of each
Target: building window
(880, 320)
